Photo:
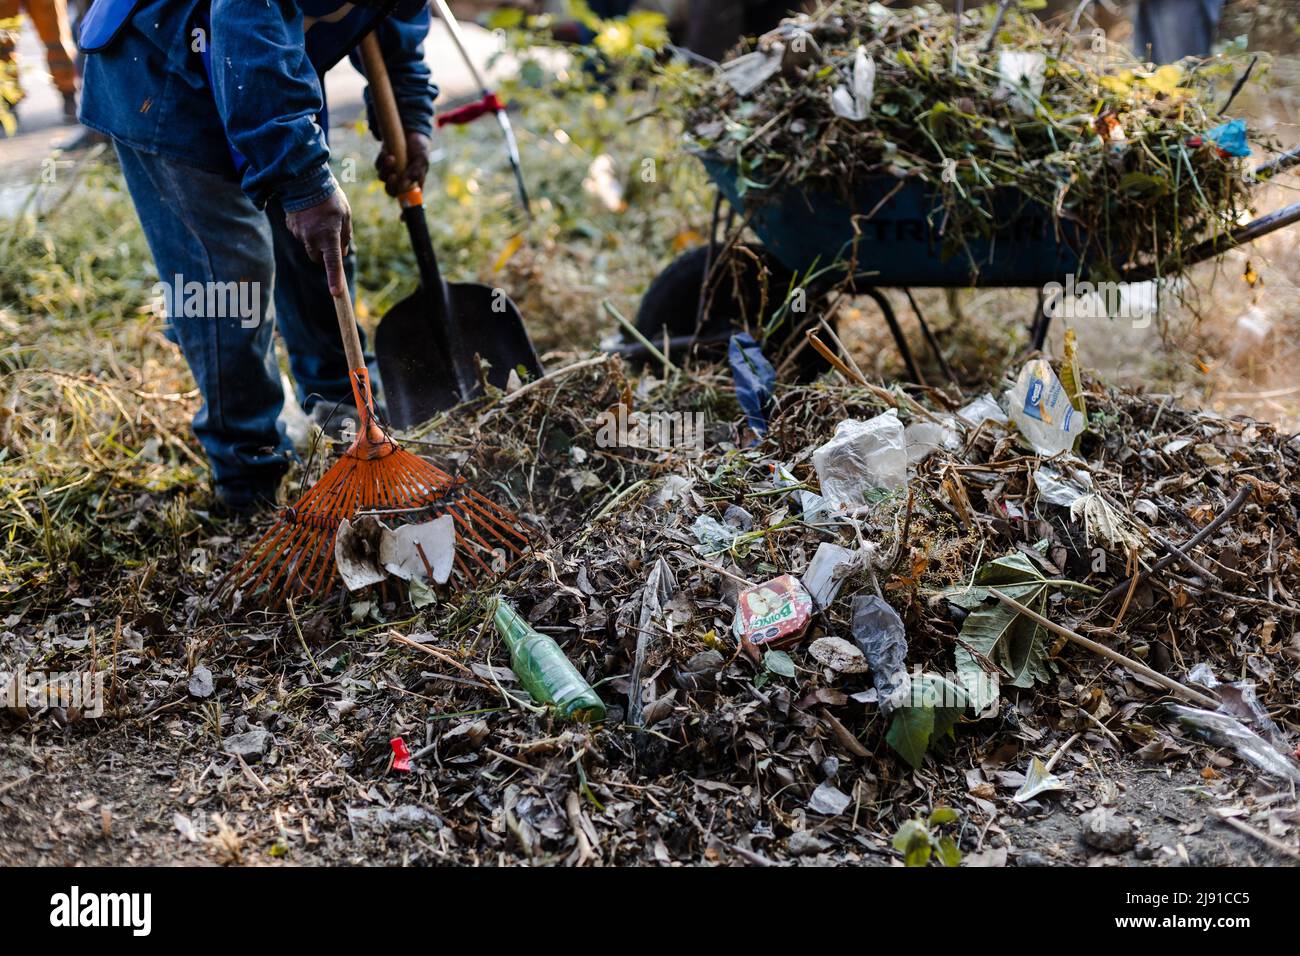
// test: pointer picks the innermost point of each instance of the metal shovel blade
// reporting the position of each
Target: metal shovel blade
(427, 345)
(419, 378)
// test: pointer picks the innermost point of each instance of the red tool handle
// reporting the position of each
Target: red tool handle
(490, 103)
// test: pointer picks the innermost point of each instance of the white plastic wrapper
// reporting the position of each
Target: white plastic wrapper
(925, 438)
(746, 73)
(983, 409)
(1042, 411)
(604, 184)
(1057, 488)
(828, 570)
(855, 103)
(862, 457)
(1022, 75)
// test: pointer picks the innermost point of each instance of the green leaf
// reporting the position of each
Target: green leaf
(949, 854)
(913, 841)
(421, 594)
(778, 662)
(910, 733)
(941, 815)
(1013, 568)
(906, 833)
(983, 687)
(996, 632)
(938, 705)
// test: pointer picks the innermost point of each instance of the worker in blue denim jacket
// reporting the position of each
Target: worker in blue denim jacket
(216, 109)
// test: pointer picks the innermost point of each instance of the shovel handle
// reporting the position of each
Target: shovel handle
(381, 92)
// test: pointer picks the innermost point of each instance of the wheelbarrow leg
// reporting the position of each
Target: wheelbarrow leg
(708, 261)
(900, 340)
(930, 340)
(1041, 325)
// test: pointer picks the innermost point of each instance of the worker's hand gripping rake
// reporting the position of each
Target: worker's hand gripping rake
(296, 556)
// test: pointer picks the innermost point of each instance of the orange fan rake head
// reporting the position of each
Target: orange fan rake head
(296, 556)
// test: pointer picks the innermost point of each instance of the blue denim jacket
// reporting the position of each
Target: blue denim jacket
(150, 89)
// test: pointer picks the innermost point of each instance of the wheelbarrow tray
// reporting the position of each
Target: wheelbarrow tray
(892, 230)
(899, 241)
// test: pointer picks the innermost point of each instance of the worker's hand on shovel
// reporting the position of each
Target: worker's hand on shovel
(398, 181)
(325, 230)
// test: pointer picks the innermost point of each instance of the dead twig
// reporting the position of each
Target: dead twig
(1271, 842)
(1179, 690)
(21, 781)
(1243, 493)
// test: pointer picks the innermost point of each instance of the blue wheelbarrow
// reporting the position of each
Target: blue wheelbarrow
(886, 236)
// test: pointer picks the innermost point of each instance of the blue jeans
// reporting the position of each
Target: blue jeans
(203, 229)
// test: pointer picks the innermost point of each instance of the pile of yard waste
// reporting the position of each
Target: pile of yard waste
(997, 113)
(877, 545)
(852, 623)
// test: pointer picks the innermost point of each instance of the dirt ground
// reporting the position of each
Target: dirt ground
(107, 800)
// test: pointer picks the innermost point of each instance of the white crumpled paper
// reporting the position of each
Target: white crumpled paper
(855, 103)
(862, 457)
(367, 551)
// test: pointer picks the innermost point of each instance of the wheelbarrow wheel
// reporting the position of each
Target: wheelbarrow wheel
(758, 282)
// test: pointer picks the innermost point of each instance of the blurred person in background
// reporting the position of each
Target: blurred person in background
(77, 9)
(715, 26)
(50, 20)
(1165, 31)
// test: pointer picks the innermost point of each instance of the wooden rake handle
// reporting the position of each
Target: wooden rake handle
(391, 130)
(348, 330)
(370, 436)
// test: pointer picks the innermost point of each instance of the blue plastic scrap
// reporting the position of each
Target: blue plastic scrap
(755, 379)
(1230, 137)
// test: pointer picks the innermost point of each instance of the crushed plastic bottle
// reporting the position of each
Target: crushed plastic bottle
(541, 666)
(1042, 411)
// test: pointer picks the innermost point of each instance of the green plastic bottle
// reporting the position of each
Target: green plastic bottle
(546, 673)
